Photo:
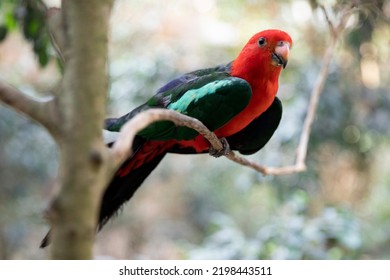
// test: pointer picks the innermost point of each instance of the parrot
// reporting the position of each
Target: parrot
(237, 101)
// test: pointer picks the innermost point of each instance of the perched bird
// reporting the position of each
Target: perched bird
(237, 101)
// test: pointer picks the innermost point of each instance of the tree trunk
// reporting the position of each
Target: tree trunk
(81, 102)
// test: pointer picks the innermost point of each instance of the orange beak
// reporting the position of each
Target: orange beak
(280, 56)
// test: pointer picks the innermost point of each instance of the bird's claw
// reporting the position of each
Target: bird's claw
(222, 152)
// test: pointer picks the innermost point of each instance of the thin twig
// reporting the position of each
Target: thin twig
(56, 31)
(331, 26)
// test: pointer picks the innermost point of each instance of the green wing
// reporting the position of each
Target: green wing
(253, 137)
(214, 104)
(210, 95)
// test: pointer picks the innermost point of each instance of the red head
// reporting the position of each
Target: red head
(263, 56)
(259, 63)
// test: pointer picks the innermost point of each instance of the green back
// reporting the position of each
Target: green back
(209, 95)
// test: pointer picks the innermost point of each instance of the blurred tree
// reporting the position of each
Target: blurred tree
(84, 168)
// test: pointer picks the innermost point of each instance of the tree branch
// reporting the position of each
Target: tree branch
(122, 147)
(41, 110)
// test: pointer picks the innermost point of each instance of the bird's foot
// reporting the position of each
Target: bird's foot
(222, 152)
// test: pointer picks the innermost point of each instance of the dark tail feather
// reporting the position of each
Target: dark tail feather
(120, 190)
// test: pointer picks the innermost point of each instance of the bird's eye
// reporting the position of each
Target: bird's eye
(262, 42)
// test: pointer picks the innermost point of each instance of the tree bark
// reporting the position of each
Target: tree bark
(81, 102)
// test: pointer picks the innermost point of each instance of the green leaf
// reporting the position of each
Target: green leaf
(3, 32)
(33, 28)
(10, 21)
(43, 57)
(40, 48)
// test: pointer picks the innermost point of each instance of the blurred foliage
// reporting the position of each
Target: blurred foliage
(29, 16)
(291, 234)
(199, 207)
(27, 164)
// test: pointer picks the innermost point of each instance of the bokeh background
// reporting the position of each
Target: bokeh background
(198, 207)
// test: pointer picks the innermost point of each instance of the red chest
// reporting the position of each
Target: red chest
(262, 97)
